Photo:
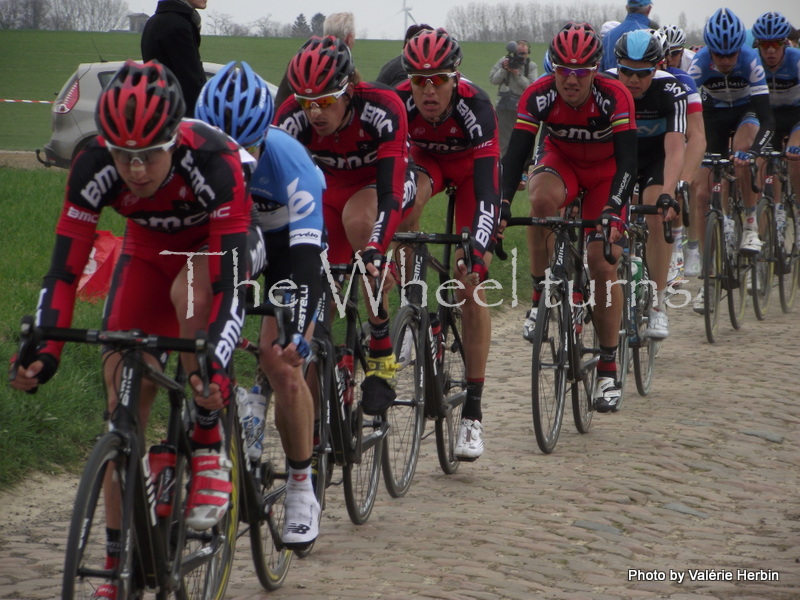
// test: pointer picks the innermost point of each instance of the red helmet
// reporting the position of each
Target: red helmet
(321, 65)
(431, 50)
(141, 106)
(576, 44)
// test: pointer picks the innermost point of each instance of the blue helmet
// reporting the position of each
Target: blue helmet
(237, 101)
(771, 26)
(724, 32)
(640, 44)
(547, 63)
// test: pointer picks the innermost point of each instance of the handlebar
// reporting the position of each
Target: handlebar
(282, 316)
(31, 336)
(651, 209)
(557, 223)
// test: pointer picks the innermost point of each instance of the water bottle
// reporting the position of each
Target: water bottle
(344, 374)
(730, 234)
(780, 220)
(162, 471)
(252, 414)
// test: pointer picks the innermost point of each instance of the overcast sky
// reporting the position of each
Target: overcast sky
(385, 19)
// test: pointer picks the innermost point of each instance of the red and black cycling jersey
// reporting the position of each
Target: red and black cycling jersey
(202, 206)
(370, 148)
(466, 141)
(603, 127)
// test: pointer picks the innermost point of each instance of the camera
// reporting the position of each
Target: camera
(515, 61)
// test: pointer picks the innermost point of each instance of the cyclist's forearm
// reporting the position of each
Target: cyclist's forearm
(760, 104)
(519, 148)
(674, 146)
(625, 150)
(695, 146)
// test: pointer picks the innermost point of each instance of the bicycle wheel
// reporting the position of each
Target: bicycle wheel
(787, 256)
(454, 388)
(271, 559)
(406, 417)
(549, 368)
(737, 268)
(84, 565)
(208, 555)
(624, 350)
(763, 268)
(713, 273)
(362, 471)
(644, 354)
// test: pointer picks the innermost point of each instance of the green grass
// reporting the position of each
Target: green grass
(53, 429)
(36, 64)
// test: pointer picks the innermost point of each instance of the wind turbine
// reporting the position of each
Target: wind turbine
(407, 11)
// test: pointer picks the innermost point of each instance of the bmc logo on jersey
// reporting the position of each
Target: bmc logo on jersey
(82, 215)
(545, 100)
(102, 181)
(377, 117)
(581, 133)
(470, 120)
(201, 189)
(347, 162)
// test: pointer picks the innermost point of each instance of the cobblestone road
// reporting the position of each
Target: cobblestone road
(691, 493)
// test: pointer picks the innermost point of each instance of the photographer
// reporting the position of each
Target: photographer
(513, 73)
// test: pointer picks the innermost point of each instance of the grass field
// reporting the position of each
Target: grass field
(37, 63)
(53, 429)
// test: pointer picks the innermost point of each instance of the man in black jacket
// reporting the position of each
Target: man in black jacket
(172, 36)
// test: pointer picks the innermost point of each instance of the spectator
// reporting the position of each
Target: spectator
(512, 73)
(608, 26)
(392, 72)
(341, 25)
(638, 18)
(172, 37)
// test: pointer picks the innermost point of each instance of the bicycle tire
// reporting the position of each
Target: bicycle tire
(454, 388)
(85, 553)
(271, 559)
(586, 356)
(362, 470)
(737, 267)
(763, 269)
(549, 362)
(407, 416)
(644, 355)
(713, 273)
(788, 258)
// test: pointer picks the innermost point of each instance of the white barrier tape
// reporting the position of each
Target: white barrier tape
(28, 101)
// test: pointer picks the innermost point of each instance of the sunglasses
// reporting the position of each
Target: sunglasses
(729, 55)
(435, 79)
(579, 73)
(642, 72)
(145, 156)
(323, 101)
(774, 44)
(675, 51)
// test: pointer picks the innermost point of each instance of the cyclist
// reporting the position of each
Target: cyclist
(735, 102)
(286, 187)
(686, 256)
(454, 139)
(179, 183)
(591, 144)
(782, 65)
(660, 102)
(678, 55)
(358, 135)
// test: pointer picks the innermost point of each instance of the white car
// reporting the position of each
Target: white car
(72, 118)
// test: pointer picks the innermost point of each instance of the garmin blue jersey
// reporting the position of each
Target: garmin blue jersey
(784, 82)
(286, 187)
(718, 90)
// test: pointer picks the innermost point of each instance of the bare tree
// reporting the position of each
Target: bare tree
(222, 24)
(23, 14)
(265, 27)
(88, 15)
